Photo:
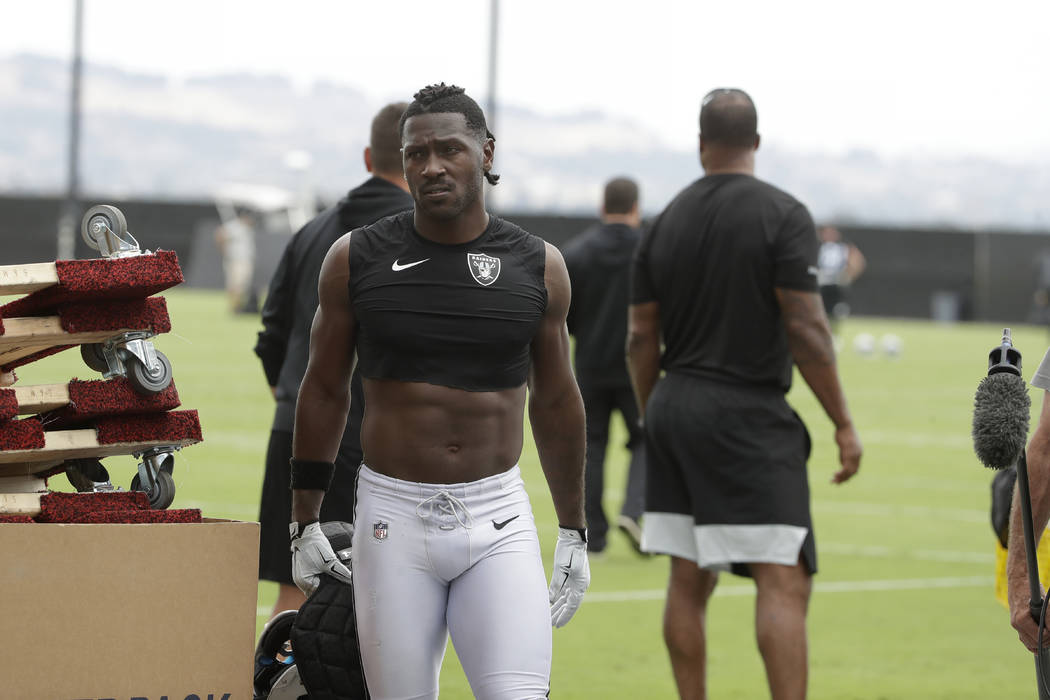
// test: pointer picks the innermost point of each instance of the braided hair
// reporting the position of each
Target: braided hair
(442, 98)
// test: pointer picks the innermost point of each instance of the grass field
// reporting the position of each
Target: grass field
(903, 604)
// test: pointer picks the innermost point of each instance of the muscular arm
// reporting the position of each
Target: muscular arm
(809, 339)
(324, 396)
(555, 406)
(643, 350)
(1038, 456)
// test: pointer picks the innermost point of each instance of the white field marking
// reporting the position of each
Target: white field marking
(908, 584)
(889, 510)
(749, 589)
(942, 555)
(905, 584)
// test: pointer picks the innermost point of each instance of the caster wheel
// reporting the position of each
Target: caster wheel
(162, 494)
(98, 221)
(86, 474)
(94, 357)
(146, 381)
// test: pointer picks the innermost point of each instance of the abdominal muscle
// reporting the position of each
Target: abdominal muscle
(440, 435)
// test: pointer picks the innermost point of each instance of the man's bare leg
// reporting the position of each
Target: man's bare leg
(289, 597)
(780, 625)
(688, 591)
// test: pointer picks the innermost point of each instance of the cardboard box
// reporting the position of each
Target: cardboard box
(128, 612)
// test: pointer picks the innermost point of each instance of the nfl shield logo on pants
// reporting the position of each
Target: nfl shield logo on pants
(379, 530)
(484, 268)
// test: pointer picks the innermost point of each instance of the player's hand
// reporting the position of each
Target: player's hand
(8, 378)
(312, 555)
(850, 451)
(570, 577)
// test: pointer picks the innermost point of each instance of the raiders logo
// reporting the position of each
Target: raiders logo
(484, 268)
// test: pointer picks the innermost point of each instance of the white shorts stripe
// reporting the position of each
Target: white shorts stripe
(669, 533)
(717, 546)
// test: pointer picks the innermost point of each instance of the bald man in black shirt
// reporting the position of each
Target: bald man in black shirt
(726, 279)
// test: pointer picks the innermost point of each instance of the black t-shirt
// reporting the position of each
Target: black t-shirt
(712, 260)
(599, 264)
(462, 315)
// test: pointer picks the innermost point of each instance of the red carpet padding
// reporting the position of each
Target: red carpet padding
(15, 519)
(137, 314)
(92, 399)
(26, 434)
(178, 515)
(56, 507)
(33, 357)
(8, 404)
(173, 426)
(108, 507)
(101, 279)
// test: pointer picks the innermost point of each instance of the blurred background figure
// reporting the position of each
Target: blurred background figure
(599, 262)
(236, 241)
(839, 263)
(284, 346)
(1040, 313)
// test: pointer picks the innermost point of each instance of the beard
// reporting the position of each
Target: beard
(461, 198)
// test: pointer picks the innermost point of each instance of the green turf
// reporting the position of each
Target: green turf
(903, 606)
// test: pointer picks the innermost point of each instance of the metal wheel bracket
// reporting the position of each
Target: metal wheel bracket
(134, 343)
(144, 351)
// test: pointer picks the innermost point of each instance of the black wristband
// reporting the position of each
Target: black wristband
(309, 474)
(582, 531)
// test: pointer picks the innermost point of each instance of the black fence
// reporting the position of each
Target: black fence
(911, 273)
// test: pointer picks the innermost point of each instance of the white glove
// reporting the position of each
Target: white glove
(571, 575)
(312, 555)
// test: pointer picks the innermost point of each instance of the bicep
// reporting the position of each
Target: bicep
(550, 346)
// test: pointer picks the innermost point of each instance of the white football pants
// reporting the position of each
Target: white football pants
(462, 560)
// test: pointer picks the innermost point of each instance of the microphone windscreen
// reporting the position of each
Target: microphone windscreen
(1000, 419)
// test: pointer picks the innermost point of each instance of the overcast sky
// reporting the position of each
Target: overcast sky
(896, 77)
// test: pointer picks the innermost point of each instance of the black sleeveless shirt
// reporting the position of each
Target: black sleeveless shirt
(461, 315)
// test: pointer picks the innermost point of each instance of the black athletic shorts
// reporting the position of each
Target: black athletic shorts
(727, 481)
(832, 295)
(275, 507)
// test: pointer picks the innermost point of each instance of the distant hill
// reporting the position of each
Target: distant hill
(145, 135)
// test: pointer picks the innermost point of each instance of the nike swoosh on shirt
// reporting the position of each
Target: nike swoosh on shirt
(397, 267)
